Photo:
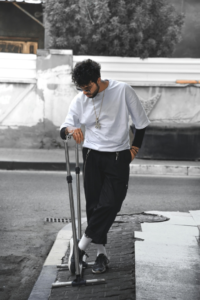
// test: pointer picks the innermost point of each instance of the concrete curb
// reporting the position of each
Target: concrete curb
(42, 287)
(40, 166)
(179, 170)
(135, 169)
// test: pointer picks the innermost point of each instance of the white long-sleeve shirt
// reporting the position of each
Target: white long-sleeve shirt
(120, 100)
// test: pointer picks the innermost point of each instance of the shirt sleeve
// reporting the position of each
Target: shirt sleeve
(135, 108)
(138, 137)
(73, 116)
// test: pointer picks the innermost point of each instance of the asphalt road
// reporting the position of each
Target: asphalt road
(163, 193)
(28, 197)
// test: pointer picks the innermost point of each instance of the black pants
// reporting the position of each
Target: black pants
(106, 176)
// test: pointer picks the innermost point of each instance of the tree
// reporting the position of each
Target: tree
(148, 28)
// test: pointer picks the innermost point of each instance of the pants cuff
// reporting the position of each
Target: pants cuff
(96, 239)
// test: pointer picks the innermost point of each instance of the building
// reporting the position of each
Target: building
(21, 26)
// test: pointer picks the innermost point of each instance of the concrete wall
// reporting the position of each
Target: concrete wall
(32, 109)
(175, 105)
(55, 89)
(175, 122)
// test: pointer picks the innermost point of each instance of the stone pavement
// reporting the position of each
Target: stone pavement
(153, 256)
(120, 277)
(54, 159)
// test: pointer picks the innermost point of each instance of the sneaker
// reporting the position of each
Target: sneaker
(71, 260)
(100, 265)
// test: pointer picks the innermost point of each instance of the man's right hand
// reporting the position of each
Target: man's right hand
(134, 151)
(77, 134)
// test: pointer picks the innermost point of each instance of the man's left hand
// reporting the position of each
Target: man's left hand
(134, 150)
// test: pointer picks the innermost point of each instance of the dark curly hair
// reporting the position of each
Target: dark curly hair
(86, 71)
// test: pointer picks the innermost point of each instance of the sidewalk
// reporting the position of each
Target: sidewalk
(54, 160)
(153, 256)
(168, 259)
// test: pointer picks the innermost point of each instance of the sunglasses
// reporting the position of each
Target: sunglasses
(87, 89)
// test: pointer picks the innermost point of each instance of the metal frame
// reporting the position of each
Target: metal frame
(78, 281)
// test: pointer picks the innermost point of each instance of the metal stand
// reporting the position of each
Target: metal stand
(77, 170)
(74, 242)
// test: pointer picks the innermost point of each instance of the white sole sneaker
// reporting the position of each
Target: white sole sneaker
(101, 264)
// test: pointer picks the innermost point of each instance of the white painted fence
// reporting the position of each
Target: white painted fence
(152, 71)
(17, 67)
(144, 72)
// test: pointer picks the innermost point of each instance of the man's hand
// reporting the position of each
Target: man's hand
(134, 151)
(77, 134)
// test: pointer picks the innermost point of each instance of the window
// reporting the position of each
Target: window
(18, 46)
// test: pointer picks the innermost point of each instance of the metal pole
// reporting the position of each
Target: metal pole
(78, 192)
(88, 281)
(32, 17)
(69, 180)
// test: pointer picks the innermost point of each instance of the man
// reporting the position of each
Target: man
(103, 106)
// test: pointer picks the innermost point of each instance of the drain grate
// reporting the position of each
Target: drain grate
(57, 220)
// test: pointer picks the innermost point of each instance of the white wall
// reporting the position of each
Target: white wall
(153, 78)
(36, 91)
(152, 70)
(17, 67)
(21, 68)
